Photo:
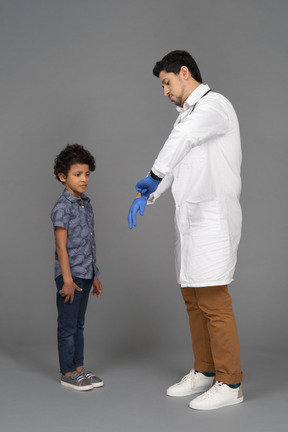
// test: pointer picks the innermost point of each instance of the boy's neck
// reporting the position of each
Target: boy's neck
(75, 194)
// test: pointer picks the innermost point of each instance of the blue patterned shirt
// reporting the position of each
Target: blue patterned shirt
(78, 220)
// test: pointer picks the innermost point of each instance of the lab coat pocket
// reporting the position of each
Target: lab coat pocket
(204, 217)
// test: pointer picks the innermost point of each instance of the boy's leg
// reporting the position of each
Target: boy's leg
(67, 327)
(86, 285)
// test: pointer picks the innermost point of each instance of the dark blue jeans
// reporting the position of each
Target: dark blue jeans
(70, 331)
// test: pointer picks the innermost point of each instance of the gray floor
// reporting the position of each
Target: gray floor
(133, 397)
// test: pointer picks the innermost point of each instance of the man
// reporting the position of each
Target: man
(201, 161)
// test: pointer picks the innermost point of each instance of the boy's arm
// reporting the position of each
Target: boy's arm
(97, 287)
(69, 285)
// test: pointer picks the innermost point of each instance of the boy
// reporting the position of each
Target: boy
(75, 263)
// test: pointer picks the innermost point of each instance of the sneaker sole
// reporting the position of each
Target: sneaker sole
(79, 388)
(97, 385)
(188, 393)
(237, 401)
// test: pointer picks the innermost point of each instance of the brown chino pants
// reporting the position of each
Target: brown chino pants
(214, 333)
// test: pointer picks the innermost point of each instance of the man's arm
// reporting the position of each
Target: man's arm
(69, 285)
(164, 185)
(209, 120)
(140, 201)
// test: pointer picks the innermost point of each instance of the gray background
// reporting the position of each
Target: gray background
(81, 71)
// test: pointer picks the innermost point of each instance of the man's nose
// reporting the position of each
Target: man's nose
(166, 92)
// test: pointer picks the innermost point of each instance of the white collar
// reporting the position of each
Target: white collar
(194, 97)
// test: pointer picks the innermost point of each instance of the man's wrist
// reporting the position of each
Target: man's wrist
(155, 177)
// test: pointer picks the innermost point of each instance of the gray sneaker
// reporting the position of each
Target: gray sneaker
(93, 379)
(77, 381)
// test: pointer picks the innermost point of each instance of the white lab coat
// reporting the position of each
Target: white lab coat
(201, 161)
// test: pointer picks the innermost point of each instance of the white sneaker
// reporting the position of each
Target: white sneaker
(194, 382)
(220, 395)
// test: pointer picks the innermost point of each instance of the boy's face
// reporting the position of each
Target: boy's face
(77, 179)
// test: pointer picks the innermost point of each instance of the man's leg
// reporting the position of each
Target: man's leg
(199, 332)
(215, 303)
(195, 381)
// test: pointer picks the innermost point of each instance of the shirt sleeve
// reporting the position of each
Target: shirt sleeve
(97, 271)
(164, 185)
(60, 217)
(208, 120)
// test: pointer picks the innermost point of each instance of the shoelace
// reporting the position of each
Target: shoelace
(190, 376)
(214, 389)
(89, 375)
(81, 377)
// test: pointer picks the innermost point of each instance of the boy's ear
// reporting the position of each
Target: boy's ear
(62, 177)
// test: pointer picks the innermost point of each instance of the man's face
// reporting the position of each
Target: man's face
(174, 87)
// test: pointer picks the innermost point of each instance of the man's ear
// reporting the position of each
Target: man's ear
(184, 71)
(62, 177)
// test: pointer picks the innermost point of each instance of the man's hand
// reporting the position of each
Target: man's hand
(68, 290)
(138, 204)
(97, 287)
(147, 186)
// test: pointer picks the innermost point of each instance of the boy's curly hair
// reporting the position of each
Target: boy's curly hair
(72, 154)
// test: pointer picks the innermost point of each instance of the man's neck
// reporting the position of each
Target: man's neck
(191, 87)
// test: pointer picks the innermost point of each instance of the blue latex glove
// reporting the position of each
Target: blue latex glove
(138, 204)
(147, 186)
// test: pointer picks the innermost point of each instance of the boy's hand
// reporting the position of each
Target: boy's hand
(68, 290)
(97, 287)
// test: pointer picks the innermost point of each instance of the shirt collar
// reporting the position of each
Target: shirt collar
(72, 198)
(194, 97)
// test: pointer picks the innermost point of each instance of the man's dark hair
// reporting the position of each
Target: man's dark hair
(72, 154)
(173, 61)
